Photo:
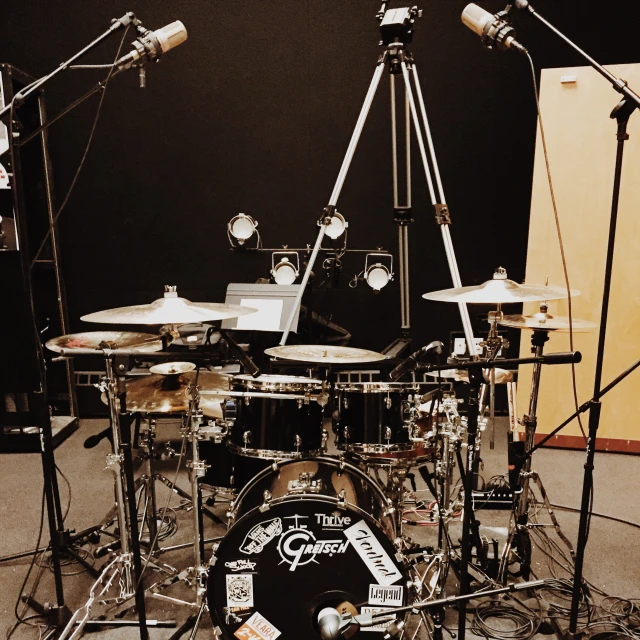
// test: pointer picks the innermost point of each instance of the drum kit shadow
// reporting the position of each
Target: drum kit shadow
(330, 524)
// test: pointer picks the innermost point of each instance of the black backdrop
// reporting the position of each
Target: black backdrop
(254, 112)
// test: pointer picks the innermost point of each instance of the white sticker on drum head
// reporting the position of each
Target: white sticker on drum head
(257, 628)
(390, 596)
(382, 567)
(240, 590)
(381, 623)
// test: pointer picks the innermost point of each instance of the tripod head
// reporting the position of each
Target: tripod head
(396, 25)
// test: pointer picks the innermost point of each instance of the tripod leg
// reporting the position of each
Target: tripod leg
(333, 200)
(438, 200)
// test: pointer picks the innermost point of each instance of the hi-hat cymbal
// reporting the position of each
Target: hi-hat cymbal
(499, 290)
(546, 322)
(462, 375)
(99, 340)
(169, 310)
(324, 354)
(168, 394)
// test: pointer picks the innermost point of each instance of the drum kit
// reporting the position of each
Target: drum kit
(326, 518)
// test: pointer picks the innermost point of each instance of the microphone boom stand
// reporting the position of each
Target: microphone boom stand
(621, 113)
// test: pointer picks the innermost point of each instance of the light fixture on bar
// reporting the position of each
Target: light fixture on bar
(337, 226)
(241, 227)
(377, 273)
(285, 266)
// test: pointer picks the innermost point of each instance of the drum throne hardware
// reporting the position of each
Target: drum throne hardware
(396, 28)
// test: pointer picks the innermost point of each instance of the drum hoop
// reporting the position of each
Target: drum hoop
(377, 387)
(335, 462)
(271, 454)
(294, 383)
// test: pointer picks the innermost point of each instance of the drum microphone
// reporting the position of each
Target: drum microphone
(493, 29)
(411, 363)
(152, 44)
(329, 623)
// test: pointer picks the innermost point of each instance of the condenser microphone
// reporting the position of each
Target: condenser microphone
(152, 44)
(412, 362)
(493, 29)
(329, 623)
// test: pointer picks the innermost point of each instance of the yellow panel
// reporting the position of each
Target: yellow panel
(582, 145)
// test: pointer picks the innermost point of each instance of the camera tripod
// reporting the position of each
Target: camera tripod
(396, 28)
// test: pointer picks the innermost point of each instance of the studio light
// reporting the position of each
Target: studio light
(241, 227)
(378, 274)
(337, 226)
(287, 267)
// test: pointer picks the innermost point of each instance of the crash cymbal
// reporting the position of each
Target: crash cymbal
(99, 340)
(499, 290)
(462, 375)
(547, 322)
(169, 310)
(172, 368)
(324, 354)
(168, 394)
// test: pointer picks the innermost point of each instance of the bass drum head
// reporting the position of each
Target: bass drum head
(276, 569)
(328, 476)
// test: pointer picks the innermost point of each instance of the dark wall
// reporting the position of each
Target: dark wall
(254, 114)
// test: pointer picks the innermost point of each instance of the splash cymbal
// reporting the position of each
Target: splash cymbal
(546, 322)
(324, 354)
(172, 368)
(169, 309)
(99, 340)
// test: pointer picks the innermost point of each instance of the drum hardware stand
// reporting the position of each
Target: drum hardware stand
(519, 534)
(476, 377)
(397, 31)
(621, 113)
(195, 575)
(349, 623)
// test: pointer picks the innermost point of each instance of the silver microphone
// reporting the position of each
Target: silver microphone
(152, 44)
(329, 623)
(493, 29)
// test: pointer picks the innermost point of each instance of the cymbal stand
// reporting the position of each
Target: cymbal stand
(519, 535)
(125, 569)
(397, 32)
(492, 347)
(195, 575)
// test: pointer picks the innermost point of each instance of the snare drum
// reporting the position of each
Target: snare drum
(276, 417)
(378, 420)
(306, 535)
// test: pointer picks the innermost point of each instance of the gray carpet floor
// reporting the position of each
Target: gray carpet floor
(612, 561)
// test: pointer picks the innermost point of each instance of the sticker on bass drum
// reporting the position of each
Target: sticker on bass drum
(372, 553)
(261, 535)
(257, 628)
(240, 590)
(389, 596)
(381, 623)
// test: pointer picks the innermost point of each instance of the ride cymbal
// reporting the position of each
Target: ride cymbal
(325, 354)
(499, 290)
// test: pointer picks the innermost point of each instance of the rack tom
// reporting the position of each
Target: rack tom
(276, 417)
(378, 420)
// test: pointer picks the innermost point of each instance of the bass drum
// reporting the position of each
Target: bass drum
(307, 534)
